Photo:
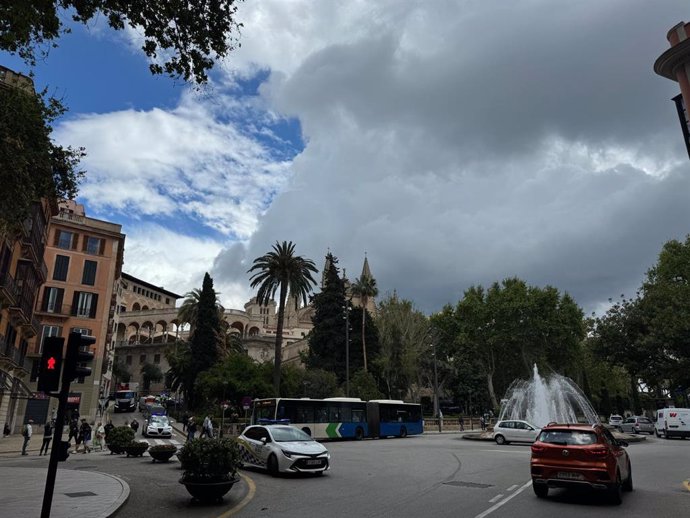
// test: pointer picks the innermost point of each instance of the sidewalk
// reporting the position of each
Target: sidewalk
(86, 494)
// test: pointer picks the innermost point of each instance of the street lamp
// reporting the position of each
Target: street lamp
(347, 309)
(437, 408)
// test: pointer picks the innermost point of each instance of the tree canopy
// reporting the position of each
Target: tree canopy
(182, 39)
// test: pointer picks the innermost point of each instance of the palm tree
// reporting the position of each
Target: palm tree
(188, 311)
(364, 288)
(282, 269)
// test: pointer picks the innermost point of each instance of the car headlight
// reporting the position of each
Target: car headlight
(289, 454)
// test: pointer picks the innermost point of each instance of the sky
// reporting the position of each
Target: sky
(454, 142)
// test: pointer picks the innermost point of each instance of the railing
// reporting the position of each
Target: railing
(36, 234)
(64, 310)
(8, 284)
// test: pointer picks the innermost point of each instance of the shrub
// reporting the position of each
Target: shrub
(163, 447)
(120, 437)
(209, 460)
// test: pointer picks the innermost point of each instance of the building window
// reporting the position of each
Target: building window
(128, 359)
(61, 267)
(84, 304)
(156, 358)
(89, 275)
(142, 359)
(94, 245)
(52, 300)
(46, 332)
(81, 330)
(66, 240)
(167, 300)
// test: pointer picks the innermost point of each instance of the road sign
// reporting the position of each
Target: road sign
(246, 402)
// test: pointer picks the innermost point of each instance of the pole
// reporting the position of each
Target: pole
(55, 451)
(347, 350)
(438, 408)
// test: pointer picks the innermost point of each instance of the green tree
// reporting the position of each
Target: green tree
(180, 375)
(232, 378)
(281, 270)
(182, 39)
(32, 166)
(121, 373)
(319, 383)
(327, 337)
(189, 310)
(364, 386)
(365, 288)
(402, 332)
(150, 374)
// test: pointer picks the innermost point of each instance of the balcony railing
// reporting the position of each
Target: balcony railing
(8, 288)
(65, 310)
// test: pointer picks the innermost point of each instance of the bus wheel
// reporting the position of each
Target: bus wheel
(307, 430)
(403, 432)
(359, 434)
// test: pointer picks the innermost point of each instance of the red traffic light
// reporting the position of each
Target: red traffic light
(51, 363)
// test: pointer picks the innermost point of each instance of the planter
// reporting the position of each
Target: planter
(116, 449)
(208, 491)
(136, 449)
(162, 456)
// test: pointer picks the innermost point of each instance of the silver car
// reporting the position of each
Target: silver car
(282, 448)
(637, 424)
(515, 431)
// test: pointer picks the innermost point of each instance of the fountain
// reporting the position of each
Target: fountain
(540, 401)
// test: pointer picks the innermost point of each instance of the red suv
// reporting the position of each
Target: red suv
(577, 455)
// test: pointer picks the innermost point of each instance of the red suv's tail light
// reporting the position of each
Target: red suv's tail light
(599, 451)
(536, 448)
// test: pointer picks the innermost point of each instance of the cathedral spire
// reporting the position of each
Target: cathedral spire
(366, 272)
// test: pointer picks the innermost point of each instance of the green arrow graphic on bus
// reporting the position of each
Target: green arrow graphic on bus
(332, 430)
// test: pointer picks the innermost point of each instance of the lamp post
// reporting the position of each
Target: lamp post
(347, 348)
(437, 408)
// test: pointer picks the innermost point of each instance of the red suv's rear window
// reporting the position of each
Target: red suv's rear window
(568, 437)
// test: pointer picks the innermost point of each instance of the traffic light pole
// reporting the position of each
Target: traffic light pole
(55, 450)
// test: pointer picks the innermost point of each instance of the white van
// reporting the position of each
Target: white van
(672, 422)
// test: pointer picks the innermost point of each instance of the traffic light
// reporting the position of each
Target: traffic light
(78, 353)
(51, 362)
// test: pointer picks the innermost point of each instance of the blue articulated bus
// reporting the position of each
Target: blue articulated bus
(342, 418)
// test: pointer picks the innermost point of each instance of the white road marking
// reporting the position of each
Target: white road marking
(502, 502)
(513, 487)
(497, 497)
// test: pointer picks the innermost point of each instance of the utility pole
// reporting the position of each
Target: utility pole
(347, 349)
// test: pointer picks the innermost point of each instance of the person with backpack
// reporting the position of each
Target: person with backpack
(85, 434)
(47, 437)
(27, 432)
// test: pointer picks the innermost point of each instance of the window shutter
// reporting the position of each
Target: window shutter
(75, 301)
(75, 240)
(44, 304)
(56, 238)
(58, 300)
(94, 305)
(101, 250)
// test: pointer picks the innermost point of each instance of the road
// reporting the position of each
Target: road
(437, 475)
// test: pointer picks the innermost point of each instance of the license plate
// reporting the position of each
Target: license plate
(570, 476)
(313, 462)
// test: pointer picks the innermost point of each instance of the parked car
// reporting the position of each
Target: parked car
(637, 424)
(509, 431)
(157, 426)
(577, 455)
(616, 421)
(282, 448)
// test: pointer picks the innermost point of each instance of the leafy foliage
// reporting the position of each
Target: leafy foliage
(150, 374)
(120, 436)
(209, 459)
(31, 165)
(232, 378)
(121, 373)
(365, 288)
(183, 39)
(363, 385)
(281, 270)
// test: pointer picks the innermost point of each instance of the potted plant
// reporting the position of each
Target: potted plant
(119, 438)
(136, 449)
(210, 467)
(162, 452)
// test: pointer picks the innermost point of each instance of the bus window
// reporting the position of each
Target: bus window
(333, 414)
(357, 416)
(322, 414)
(346, 414)
(304, 414)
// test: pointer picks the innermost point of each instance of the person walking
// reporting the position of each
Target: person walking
(185, 418)
(209, 428)
(134, 425)
(73, 431)
(108, 428)
(85, 433)
(462, 424)
(191, 429)
(27, 432)
(6, 430)
(100, 437)
(47, 437)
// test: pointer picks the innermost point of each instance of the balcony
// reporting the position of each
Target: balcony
(8, 289)
(33, 239)
(63, 311)
(13, 357)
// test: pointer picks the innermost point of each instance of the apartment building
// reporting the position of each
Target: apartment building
(84, 261)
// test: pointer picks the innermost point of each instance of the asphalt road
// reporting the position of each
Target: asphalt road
(431, 475)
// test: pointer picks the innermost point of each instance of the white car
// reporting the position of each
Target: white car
(157, 426)
(515, 431)
(282, 449)
(616, 421)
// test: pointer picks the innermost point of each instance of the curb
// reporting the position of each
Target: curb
(120, 501)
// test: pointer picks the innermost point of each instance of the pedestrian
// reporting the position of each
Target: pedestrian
(73, 431)
(482, 422)
(134, 425)
(462, 424)
(191, 429)
(6, 430)
(47, 436)
(27, 432)
(185, 418)
(85, 433)
(108, 428)
(100, 436)
(205, 427)
(209, 428)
